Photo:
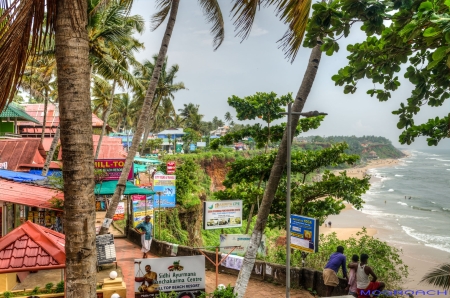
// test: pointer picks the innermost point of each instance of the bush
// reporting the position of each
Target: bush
(220, 293)
(60, 287)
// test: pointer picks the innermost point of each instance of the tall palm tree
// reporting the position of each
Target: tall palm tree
(168, 8)
(123, 113)
(228, 117)
(23, 26)
(165, 88)
(439, 276)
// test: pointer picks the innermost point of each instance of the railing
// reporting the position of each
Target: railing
(9, 135)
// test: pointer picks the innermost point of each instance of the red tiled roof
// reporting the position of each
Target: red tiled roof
(28, 194)
(20, 151)
(31, 247)
(56, 165)
(111, 148)
(37, 112)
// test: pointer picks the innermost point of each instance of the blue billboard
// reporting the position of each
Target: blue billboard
(164, 186)
(304, 233)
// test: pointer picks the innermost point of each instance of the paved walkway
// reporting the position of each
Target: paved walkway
(126, 252)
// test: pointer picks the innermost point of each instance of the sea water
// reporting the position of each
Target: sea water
(412, 199)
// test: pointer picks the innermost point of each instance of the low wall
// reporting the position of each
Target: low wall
(306, 278)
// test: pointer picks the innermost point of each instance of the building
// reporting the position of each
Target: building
(9, 119)
(220, 131)
(34, 130)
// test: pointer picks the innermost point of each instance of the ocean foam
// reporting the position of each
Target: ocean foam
(401, 203)
(390, 189)
(408, 161)
(439, 242)
(443, 159)
(399, 175)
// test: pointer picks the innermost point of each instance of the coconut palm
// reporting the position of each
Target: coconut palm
(24, 25)
(122, 112)
(439, 276)
(167, 8)
(165, 88)
(228, 117)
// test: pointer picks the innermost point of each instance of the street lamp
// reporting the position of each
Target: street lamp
(288, 192)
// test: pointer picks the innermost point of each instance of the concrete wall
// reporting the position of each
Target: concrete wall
(306, 278)
(7, 281)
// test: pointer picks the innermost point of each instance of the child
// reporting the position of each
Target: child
(351, 287)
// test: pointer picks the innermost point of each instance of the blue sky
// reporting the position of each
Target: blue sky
(257, 65)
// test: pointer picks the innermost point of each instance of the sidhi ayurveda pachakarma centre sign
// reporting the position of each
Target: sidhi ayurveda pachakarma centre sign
(183, 275)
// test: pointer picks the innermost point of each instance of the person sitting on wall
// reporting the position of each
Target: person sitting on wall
(365, 286)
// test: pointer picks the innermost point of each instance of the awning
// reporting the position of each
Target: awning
(108, 187)
(147, 160)
(20, 176)
(28, 194)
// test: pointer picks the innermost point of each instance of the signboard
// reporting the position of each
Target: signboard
(241, 240)
(178, 148)
(304, 233)
(192, 147)
(170, 167)
(166, 185)
(4, 165)
(112, 168)
(183, 275)
(222, 214)
(120, 212)
(106, 251)
(139, 208)
(201, 144)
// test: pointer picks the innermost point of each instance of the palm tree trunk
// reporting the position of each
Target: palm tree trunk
(73, 73)
(150, 123)
(51, 152)
(106, 116)
(276, 173)
(145, 114)
(44, 122)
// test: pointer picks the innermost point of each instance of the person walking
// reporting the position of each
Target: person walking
(365, 286)
(145, 229)
(351, 287)
(331, 269)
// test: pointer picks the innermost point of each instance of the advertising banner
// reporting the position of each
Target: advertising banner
(222, 214)
(183, 275)
(166, 185)
(192, 147)
(241, 240)
(120, 211)
(201, 144)
(112, 168)
(139, 208)
(304, 233)
(170, 167)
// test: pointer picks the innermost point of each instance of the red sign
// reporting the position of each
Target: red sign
(170, 167)
(112, 167)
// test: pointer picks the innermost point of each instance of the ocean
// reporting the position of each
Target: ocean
(411, 200)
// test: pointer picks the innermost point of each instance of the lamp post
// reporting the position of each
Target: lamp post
(288, 191)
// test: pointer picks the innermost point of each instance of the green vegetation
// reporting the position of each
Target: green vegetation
(226, 292)
(49, 289)
(367, 147)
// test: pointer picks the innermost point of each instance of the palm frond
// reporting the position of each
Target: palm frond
(244, 12)
(439, 276)
(211, 10)
(163, 7)
(23, 27)
(295, 13)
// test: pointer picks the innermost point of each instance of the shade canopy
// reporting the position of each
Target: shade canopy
(147, 160)
(108, 187)
(137, 168)
(16, 112)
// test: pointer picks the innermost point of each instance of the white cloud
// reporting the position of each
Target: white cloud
(258, 31)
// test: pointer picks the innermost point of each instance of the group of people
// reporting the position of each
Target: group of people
(358, 282)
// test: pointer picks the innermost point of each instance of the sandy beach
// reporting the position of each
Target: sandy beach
(419, 258)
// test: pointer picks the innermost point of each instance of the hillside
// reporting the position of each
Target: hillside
(368, 147)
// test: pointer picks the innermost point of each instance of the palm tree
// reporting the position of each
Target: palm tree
(165, 89)
(228, 117)
(122, 112)
(439, 276)
(168, 8)
(23, 26)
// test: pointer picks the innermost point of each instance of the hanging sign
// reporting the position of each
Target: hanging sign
(304, 233)
(166, 185)
(227, 241)
(140, 210)
(106, 251)
(112, 168)
(183, 275)
(222, 214)
(3, 165)
(170, 167)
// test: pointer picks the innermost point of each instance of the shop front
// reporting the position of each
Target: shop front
(20, 202)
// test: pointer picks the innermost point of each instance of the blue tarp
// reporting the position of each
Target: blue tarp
(20, 176)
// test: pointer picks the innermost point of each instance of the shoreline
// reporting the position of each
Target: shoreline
(418, 257)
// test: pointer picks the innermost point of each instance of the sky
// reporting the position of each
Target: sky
(256, 64)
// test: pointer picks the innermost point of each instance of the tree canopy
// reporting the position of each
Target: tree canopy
(415, 42)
